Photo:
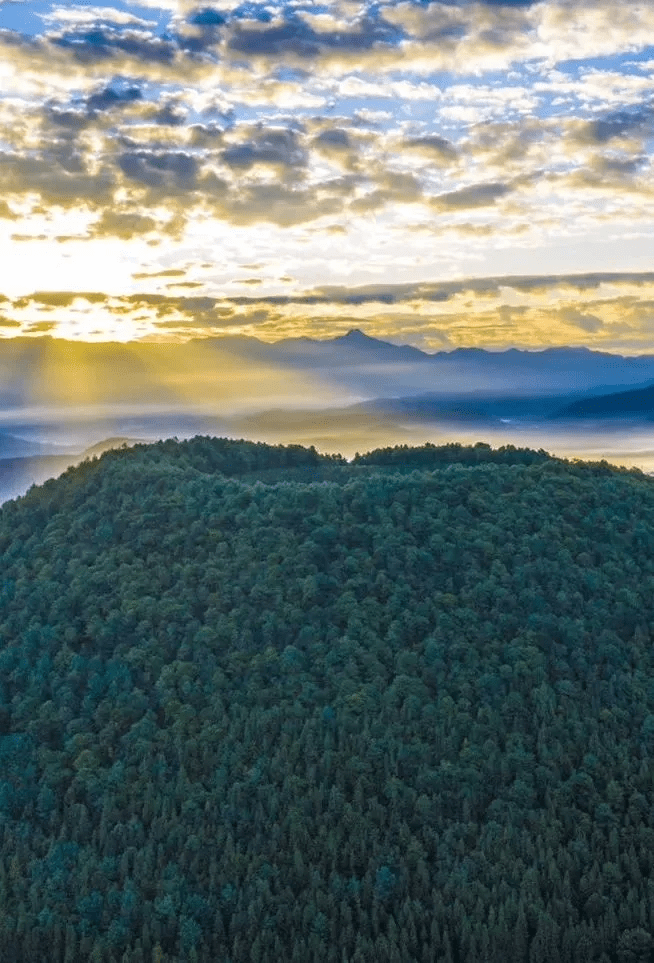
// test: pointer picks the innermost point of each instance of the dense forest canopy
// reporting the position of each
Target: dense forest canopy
(259, 704)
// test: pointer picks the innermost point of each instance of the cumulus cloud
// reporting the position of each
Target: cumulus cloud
(296, 39)
(432, 146)
(616, 125)
(341, 143)
(58, 177)
(108, 98)
(158, 168)
(475, 195)
(277, 148)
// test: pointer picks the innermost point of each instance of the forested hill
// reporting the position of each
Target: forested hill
(261, 705)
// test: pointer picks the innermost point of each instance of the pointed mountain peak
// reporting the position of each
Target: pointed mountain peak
(358, 340)
(356, 335)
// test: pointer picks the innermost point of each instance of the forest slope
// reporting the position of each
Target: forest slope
(257, 704)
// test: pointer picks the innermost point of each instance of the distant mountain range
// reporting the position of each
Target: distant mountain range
(344, 394)
(243, 373)
(461, 371)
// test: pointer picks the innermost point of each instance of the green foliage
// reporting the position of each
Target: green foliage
(257, 704)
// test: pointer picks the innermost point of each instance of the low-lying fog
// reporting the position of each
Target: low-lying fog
(40, 444)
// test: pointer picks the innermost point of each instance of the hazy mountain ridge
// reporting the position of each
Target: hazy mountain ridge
(638, 402)
(342, 394)
(136, 371)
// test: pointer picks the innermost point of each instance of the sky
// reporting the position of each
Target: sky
(441, 174)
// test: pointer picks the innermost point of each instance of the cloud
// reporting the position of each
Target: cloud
(109, 98)
(123, 224)
(445, 290)
(334, 138)
(104, 43)
(91, 15)
(580, 319)
(278, 148)
(171, 169)
(460, 38)
(207, 17)
(296, 40)
(432, 146)
(476, 195)
(51, 298)
(600, 88)
(58, 176)
(353, 85)
(40, 327)
(608, 308)
(167, 273)
(169, 115)
(231, 125)
(619, 167)
(280, 204)
(617, 124)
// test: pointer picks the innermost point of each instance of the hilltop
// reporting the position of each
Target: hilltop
(261, 704)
